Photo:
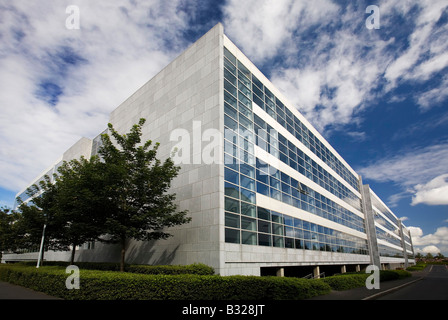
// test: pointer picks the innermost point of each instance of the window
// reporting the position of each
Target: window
(248, 209)
(264, 239)
(232, 235)
(264, 226)
(248, 237)
(231, 190)
(232, 205)
(248, 224)
(232, 220)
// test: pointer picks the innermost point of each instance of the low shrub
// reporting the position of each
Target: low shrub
(402, 273)
(346, 282)
(107, 285)
(196, 268)
(417, 267)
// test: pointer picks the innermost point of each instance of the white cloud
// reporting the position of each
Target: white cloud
(435, 192)
(420, 172)
(433, 97)
(262, 27)
(431, 249)
(338, 74)
(427, 39)
(433, 243)
(416, 166)
(119, 46)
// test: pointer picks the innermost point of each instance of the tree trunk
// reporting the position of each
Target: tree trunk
(72, 260)
(123, 253)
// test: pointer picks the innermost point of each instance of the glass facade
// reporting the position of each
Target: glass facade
(254, 225)
(245, 174)
(241, 78)
(389, 231)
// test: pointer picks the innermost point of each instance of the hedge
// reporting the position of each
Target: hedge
(417, 267)
(355, 280)
(108, 285)
(346, 282)
(196, 268)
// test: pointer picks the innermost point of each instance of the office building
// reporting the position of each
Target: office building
(266, 192)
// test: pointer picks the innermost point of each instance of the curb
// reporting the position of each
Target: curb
(383, 293)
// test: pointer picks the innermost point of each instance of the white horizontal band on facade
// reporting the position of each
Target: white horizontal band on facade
(282, 130)
(279, 206)
(272, 160)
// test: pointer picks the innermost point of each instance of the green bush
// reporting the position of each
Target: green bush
(402, 273)
(196, 268)
(346, 282)
(417, 267)
(107, 285)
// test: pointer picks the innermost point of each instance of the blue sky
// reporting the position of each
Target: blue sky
(379, 96)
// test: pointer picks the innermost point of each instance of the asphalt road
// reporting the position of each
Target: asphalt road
(433, 286)
(10, 291)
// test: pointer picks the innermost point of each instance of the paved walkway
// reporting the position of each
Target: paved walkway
(10, 291)
(365, 294)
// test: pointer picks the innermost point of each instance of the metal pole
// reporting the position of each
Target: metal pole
(41, 247)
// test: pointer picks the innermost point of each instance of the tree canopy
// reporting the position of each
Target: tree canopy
(138, 183)
(122, 194)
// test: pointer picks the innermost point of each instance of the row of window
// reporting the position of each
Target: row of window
(239, 78)
(386, 236)
(96, 144)
(382, 221)
(269, 228)
(276, 144)
(282, 187)
(386, 251)
(238, 116)
(383, 209)
(251, 175)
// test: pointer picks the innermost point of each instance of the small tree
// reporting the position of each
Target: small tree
(8, 230)
(82, 202)
(138, 184)
(73, 207)
(40, 211)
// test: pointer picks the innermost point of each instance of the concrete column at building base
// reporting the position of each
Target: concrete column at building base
(343, 269)
(280, 272)
(316, 272)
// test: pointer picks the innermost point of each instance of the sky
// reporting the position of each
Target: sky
(374, 83)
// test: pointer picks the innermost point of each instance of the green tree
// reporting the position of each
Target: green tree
(440, 256)
(8, 227)
(82, 202)
(73, 207)
(41, 211)
(138, 185)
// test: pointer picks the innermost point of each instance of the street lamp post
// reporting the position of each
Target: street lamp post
(41, 247)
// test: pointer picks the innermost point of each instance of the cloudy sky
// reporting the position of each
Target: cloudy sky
(378, 95)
